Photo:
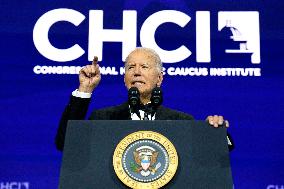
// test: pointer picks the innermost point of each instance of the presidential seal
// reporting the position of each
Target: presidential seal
(145, 159)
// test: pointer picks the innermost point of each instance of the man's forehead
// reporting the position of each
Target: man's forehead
(140, 57)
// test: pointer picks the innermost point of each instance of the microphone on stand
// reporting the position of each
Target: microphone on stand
(156, 99)
(149, 109)
(134, 100)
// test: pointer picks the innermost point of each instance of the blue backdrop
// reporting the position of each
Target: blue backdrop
(32, 102)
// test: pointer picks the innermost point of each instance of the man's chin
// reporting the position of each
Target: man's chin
(140, 89)
(143, 92)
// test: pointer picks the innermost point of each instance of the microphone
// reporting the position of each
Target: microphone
(156, 97)
(156, 100)
(135, 104)
(134, 100)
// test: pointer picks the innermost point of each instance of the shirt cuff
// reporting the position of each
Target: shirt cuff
(229, 141)
(79, 94)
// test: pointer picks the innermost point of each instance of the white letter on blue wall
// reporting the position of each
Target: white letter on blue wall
(98, 35)
(40, 35)
(203, 36)
(149, 27)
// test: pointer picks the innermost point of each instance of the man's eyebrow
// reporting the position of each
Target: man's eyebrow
(145, 63)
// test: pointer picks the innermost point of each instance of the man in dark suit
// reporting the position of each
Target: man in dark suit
(143, 70)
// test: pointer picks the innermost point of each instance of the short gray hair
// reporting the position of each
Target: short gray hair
(153, 55)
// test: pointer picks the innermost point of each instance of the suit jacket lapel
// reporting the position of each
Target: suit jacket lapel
(160, 114)
(123, 112)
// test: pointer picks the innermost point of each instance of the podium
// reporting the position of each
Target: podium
(203, 156)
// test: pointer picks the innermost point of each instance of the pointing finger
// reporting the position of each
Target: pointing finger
(95, 60)
(89, 70)
(97, 68)
(93, 70)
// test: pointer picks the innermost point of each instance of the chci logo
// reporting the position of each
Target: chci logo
(145, 159)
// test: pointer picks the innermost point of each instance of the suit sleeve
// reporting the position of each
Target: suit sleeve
(75, 110)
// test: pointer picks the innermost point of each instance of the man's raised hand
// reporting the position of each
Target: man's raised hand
(89, 77)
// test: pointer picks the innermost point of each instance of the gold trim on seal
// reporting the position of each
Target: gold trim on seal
(144, 135)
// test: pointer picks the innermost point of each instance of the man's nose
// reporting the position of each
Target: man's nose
(137, 70)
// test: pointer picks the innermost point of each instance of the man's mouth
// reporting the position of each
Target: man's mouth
(137, 83)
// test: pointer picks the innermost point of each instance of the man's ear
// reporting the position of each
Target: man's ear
(160, 79)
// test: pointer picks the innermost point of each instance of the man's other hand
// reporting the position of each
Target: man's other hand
(217, 121)
(89, 77)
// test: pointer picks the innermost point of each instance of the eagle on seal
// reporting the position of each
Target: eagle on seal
(145, 162)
